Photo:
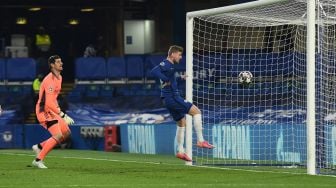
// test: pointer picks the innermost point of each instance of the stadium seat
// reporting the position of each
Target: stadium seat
(152, 89)
(209, 68)
(263, 65)
(106, 91)
(135, 70)
(150, 63)
(285, 64)
(91, 70)
(27, 89)
(123, 90)
(20, 71)
(77, 93)
(2, 71)
(116, 70)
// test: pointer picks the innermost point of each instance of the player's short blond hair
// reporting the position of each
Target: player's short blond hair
(174, 49)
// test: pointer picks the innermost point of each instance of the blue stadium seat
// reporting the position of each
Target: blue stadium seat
(27, 90)
(15, 90)
(92, 91)
(91, 70)
(152, 90)
(264, 65)
(123, 90)
(77, 93)
(284, 64)
(106, 91)
(20, 71)
(2, 71)
(150, 63)
(208, 68)
(135, 69)
(116, 70)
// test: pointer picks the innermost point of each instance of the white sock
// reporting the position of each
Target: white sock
(180, 131)
(198, 127)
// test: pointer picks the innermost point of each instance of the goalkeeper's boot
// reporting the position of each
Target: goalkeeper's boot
(39, 164)
(204, 144)
(183, 156)
(36, 149)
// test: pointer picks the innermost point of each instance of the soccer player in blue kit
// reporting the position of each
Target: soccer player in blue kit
(177, 106)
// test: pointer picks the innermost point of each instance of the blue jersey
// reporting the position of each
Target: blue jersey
(165, 71)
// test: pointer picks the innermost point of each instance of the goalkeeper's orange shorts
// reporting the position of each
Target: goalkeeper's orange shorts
(48, 119)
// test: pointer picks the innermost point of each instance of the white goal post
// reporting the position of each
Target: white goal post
(195, 49)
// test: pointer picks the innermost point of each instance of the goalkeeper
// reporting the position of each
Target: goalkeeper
(177, 106)
(49, 113)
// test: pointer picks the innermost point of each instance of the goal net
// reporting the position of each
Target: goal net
(263, 125)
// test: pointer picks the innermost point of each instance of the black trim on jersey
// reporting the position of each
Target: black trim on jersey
(51, 123)
(42, 103)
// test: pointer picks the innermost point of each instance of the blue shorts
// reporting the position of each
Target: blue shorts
(177, 106)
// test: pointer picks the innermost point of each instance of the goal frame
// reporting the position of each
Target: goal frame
(310, 56)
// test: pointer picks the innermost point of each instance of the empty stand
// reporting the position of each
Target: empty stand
(116, 70)
(20, 71)
(2, 71)
(91, 70)
(135, 70)
(150, 62)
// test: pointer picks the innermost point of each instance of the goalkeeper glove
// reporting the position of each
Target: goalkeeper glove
(66, 118)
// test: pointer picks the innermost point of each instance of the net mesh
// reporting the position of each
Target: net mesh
(263, 124)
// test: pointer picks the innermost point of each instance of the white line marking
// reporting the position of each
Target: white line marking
(160, 163)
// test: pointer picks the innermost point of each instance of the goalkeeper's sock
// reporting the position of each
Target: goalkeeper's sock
(180, 139)
(40, 145)
(198, 127)
(48, 146)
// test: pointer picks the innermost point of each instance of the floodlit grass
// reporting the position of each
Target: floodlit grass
(78, 168)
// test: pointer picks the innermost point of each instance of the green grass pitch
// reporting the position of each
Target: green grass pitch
(78, 168)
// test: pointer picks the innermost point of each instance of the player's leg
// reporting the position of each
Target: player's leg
(41, 117)
(174, 110)
(65, 135)
(55, 130)
(195, 112)
(180, 132)
(64, 129)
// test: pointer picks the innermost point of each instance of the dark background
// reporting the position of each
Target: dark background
(103, 27)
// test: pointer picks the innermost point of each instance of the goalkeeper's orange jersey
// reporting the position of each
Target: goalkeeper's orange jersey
(49, 90)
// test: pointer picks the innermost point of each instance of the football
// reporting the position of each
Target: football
(245, 77)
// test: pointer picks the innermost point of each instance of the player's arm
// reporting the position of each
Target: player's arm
(183, 76)
(52, 104)
(157, 72)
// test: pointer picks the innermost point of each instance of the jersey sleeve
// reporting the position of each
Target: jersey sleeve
(158, 70)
